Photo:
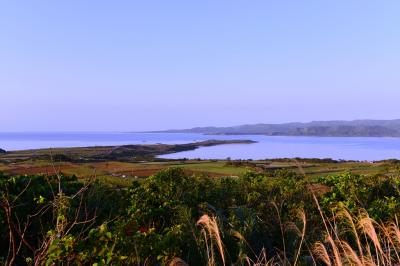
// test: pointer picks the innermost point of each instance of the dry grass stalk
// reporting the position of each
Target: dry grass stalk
(211, 233)
(379, 246)
(322, 254)
(178, 262)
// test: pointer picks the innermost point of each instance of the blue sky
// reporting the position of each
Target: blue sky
(147, 65)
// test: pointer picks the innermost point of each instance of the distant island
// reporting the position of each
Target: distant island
(355, 128)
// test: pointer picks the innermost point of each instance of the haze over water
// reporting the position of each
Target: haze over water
(350, 148)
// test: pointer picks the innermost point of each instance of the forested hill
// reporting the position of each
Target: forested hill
(356, 128)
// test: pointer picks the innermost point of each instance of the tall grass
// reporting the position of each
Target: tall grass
(349, 240)
(213, 242)
(212, 238)
(368, 242)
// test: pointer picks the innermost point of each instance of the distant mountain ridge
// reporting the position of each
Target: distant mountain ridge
(337, 128)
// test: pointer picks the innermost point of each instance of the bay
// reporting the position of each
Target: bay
(267, 147)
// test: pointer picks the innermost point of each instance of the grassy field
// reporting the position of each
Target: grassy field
(122, 173)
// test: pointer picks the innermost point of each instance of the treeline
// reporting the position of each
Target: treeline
(172, 217)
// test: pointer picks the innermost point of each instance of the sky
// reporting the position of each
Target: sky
(149, 65)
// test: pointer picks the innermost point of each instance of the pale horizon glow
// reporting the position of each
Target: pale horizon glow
(139, 65)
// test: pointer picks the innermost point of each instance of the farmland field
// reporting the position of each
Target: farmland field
(123, 173)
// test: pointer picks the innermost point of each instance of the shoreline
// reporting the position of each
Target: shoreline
(116, 152)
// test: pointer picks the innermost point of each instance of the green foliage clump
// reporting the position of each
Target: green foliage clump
(378, 194)
(47, 215)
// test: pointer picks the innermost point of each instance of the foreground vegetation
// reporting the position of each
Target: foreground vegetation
(277, 216)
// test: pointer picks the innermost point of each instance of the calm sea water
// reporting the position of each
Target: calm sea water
(266, 146)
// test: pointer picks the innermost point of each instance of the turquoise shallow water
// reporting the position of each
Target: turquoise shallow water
(266, 146)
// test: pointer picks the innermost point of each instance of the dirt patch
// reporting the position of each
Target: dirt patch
(318, 189)
(32, 170)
